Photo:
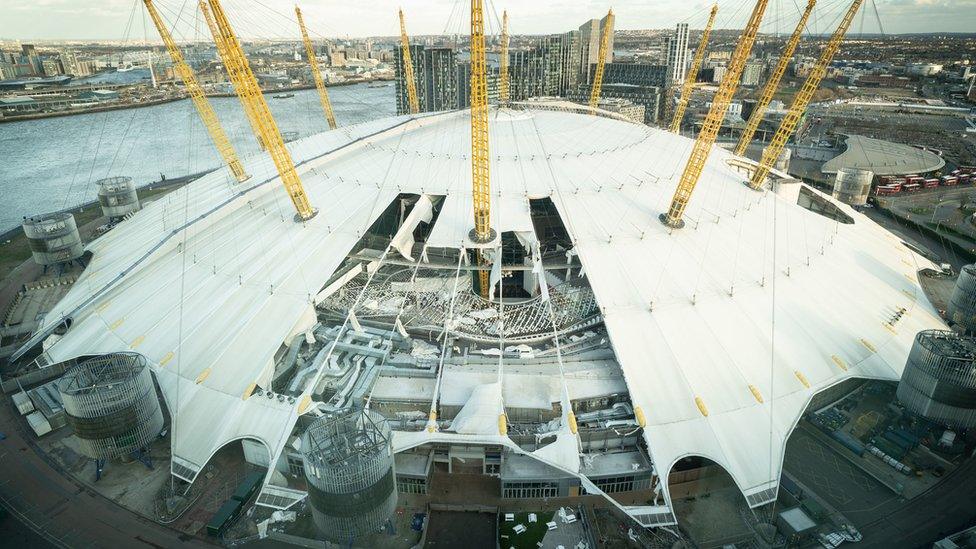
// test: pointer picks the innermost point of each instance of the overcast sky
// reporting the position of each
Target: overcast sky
(109, 19)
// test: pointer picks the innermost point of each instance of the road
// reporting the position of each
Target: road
(64, 512)
(947, 508)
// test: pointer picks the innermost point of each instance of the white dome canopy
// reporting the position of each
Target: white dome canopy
(724, 329)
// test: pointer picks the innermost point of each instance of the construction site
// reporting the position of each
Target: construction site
(519, 324)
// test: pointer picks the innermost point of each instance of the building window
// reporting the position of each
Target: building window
(408, 485)
(611, 485)
(296, 466)
(530, 490)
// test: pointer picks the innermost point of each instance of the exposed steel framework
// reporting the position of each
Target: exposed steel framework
(408, 76)
(246, 86)
(770, 89)
(316, 74)
(712, 123)
(480, 177)
(688, 86)
(802, 99)
(601, 62)
(222, 52)
(204, 109)
(503, 62)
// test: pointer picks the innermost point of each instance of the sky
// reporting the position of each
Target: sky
(124, 19)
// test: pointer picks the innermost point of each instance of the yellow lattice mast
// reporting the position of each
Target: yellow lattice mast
(689, 83)
(316, 74)
(408, 77)
(221, 51)
(246, 86)
(802, 99)
(480, 180)
(598, 75)
(770, 89)
(204, 109)
(713, 121)
(503, 62)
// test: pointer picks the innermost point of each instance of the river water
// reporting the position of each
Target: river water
(53, 163)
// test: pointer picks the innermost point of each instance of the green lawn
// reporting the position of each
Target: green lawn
(529, 539)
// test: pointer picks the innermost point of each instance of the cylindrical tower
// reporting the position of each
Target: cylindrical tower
(783, 162)
(351, 479)
(111, 404)
(853, 186)
(118, 197)
(939, 381)
(53, 238)
(961, 309)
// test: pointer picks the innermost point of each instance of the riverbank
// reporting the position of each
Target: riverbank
(163, 101)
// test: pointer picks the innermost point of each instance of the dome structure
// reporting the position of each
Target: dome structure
(723, 330)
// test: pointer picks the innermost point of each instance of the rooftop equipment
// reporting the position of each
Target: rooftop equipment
(117, 196)
(769, 90)
(246, 86)
(783, 162)
(349, 468)
(962, 304)
(480, 177)
(692, 75)
(111, 405)
(316, 74)
(53, 239)
(600, 62)
(939, 381)
(713, 121)
(802, 99)
(193, 89)
(408, 76)
(853, 185)
(503, 62)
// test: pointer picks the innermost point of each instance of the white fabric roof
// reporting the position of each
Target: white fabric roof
(753, 290)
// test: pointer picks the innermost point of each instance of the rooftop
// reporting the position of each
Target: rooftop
(883, 158)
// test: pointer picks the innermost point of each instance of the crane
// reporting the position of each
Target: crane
(770, 89)
(316, 75)
(408, 77)
(802, 99)
(204, 109)
(246, 86)
(713, 121)
(480, 180)
(692, 75)
(604, 46)
(221, 49)
(503, 62)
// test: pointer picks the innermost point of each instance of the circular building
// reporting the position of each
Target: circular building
(53, 238)
(117, 196)
(961, 309)
(111, 405)
(939, 381)
(853, 185)
(349, 469)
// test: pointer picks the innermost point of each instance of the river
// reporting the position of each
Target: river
(53, 163)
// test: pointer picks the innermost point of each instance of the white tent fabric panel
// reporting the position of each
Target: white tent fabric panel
(210, 279)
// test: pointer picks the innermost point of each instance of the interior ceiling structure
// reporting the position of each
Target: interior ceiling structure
(724, 330)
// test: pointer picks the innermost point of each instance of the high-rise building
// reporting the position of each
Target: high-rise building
(439, 79)
(678, 58)
(752, 73)
(435, 69)
(537, 71)
(590, 34)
